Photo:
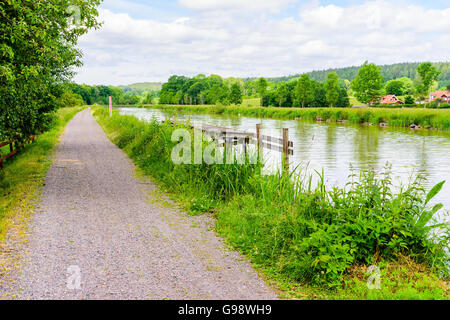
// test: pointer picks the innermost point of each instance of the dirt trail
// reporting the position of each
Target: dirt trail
(97, 218)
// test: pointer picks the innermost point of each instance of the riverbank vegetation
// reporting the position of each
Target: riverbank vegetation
(366, 86)
(426, 118)
(331, 88)
(310, 241)
(24, 174)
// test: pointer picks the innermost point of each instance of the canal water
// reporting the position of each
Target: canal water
(337, 148)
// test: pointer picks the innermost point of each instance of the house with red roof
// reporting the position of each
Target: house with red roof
(391, 99)
(440, 96)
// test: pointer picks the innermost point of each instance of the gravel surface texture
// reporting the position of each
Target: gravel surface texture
(103, 233)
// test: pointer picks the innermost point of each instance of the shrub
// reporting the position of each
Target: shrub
(409, 100)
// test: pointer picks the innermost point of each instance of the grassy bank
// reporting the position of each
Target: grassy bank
(310, 242)
(24, 174)
(427, 118)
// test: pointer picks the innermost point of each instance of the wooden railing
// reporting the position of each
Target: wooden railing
(14, 147)
(238, 137)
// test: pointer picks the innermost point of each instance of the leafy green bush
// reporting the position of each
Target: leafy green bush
(443, 106)
(315, 235)
(409, 100)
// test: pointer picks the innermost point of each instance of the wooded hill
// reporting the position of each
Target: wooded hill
(389, 72)
(142, 86)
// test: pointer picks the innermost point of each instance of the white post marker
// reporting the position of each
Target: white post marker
(110, 106)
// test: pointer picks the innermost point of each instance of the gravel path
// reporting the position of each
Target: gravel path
(125, 239)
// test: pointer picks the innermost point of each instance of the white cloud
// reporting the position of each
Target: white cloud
(216, 5)
(130, 50)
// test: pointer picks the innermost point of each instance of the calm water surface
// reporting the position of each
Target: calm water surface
(336, 148)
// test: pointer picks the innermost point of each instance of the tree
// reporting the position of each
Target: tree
(282, 93)
(236, 93)
(70, 99)
(428, 75)
(332, 88)
(261, 86)
(394, 87)
(409, 100)
(368, 83)
(343, 99)
(303, 90)
(319, 95)
(250, 88)
(408, 85)
(224, 95)
(448, 87)
(37, 54)
(148, 99)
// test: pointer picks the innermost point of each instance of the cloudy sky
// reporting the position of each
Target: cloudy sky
(151, 40)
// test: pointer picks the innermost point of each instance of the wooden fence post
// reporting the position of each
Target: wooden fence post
(259, 140)
(246, 142)
(285, 154)
(110, 106)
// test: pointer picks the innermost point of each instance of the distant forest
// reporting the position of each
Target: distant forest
(389, 72)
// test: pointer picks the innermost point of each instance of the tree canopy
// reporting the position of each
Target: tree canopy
(37, 55)
(201, 90)
(428, 75)
(394, 87)
(332, 87)
(304, 90)
(368, 83)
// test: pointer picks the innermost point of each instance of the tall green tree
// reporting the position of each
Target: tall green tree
(37, 55)
(394, 87)
(343, 100)
(261, 86)
(319, 95)
(368, 83)
(148, 99)
(332, 88)
(282, 93)
(408, 85)
(428, 75)
(304, 92)
(236, 93)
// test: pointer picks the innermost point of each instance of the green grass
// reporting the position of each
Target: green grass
(24, 173)
(252, 102)
(309, 242)
(427, 118)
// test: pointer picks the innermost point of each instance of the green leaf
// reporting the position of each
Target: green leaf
(434, 191)
(439, 225)
(426, 216)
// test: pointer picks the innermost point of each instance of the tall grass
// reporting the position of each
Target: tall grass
(427, 118)
(287, 225)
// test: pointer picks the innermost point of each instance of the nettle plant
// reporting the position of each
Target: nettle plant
(369, 223)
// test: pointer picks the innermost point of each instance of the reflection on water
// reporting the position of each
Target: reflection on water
(334, 147)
